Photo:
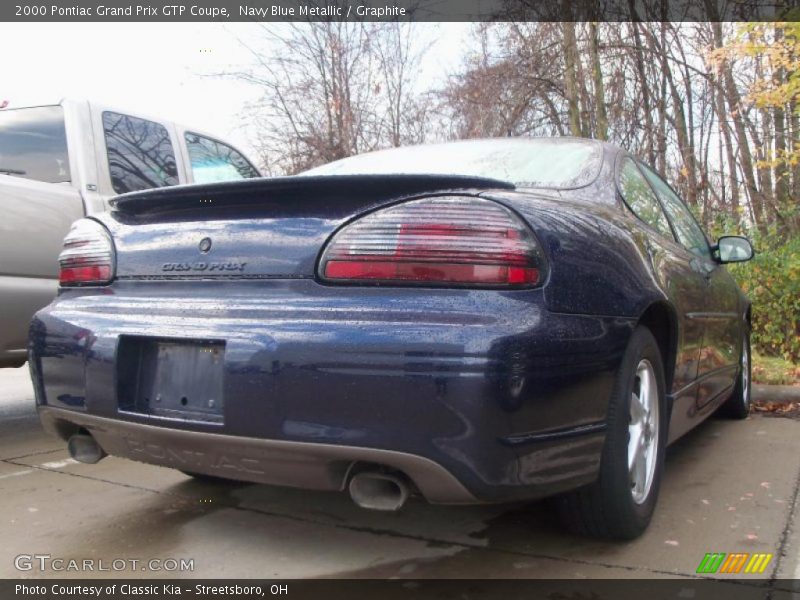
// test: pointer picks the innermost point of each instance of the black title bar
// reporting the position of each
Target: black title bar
(398, 10)
(693, 588)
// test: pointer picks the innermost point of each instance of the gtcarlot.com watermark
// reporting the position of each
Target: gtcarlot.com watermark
(48, 563)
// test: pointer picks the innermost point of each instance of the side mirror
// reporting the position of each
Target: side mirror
(734, 248)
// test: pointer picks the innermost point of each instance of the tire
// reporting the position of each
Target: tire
(620, 504)
(738, 405)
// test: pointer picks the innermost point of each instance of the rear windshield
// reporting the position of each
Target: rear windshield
(33, 144)
(552, 163)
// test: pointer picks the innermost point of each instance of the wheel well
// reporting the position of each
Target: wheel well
(660, 319)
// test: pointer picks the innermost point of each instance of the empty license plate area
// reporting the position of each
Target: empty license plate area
(177, 379)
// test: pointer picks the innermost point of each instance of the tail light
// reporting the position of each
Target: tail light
(88, 255)
(442, 240)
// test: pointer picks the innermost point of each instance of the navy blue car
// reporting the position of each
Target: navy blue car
(472, 322)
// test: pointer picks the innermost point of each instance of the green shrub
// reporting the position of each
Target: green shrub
(772, 281)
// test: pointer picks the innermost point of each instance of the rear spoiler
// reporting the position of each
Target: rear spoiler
(302, 193)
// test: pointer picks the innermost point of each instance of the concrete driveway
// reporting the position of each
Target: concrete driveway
(729, 487)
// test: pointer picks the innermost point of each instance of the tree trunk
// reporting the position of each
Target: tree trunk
(599, 92)
(763, 144)
(794, 147)
(649, 132)
(570, 83)
(679, 123)
(725, 131)
(781, 146)
(661, 153)
(684, 141)
(735, 107)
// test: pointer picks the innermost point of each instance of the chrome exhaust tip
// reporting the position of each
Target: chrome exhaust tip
(83, 448)
(379, 491)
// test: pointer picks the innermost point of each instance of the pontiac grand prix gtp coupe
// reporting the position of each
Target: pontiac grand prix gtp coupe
(480, 321)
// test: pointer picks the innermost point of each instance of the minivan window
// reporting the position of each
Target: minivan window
(212, 160)
(33, 144)
(140, 153)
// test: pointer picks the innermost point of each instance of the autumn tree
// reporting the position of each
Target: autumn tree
(775, 91)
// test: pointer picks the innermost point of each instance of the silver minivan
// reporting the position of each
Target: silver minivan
(62, 161)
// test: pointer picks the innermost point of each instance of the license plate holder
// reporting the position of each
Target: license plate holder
(176, 379)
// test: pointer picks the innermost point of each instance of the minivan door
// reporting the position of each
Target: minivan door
(38, 202)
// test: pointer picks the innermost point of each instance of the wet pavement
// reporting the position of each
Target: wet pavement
(729, 487)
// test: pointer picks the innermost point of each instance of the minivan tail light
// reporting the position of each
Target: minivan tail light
(443, 240)
(87, 257)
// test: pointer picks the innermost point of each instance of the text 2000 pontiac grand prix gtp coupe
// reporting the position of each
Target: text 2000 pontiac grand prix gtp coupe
(481, 321)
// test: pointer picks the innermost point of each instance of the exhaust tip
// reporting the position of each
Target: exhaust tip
(83, 448)
(378, 491)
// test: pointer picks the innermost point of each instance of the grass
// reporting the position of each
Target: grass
(769, 370)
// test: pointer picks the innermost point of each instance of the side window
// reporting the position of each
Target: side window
(214, 161)
(33, 144)
(688, 231)
(140, 154)
(640, 198)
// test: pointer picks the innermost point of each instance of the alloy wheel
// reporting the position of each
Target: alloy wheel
(643, 431)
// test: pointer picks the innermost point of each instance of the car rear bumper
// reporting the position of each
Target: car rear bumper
(277, 462)
(477, 395)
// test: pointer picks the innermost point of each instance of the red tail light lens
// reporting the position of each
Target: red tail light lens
(442, 240)
(88, 255)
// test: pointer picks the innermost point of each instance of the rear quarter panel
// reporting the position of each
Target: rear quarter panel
(598, 262)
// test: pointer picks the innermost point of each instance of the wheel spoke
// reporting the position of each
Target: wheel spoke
(640, 472)
(644, 390)
(634, 445)
(643, 431)
(635, 451)
(637, 410)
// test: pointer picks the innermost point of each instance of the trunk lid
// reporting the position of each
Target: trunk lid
(262, 228)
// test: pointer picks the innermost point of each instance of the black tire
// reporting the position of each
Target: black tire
(606, 508)
(738, 405)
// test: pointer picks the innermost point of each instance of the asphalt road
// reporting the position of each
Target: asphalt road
(729, 487)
